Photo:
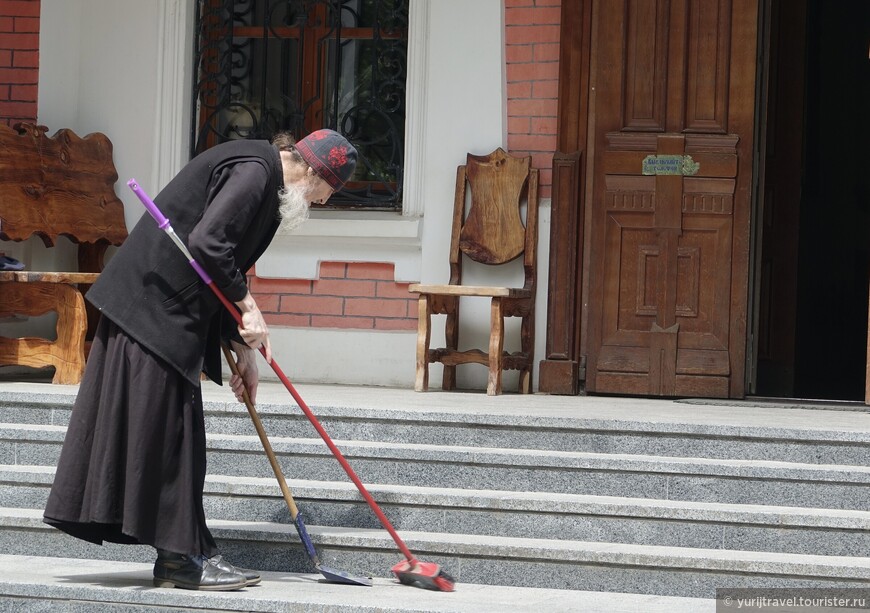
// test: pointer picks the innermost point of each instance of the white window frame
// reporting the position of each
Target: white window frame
(340, 235)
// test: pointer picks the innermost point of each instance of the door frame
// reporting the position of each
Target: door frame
(758, 175)
(562, 368)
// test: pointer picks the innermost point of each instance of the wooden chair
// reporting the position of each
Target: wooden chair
(491, 233)
(50, 187)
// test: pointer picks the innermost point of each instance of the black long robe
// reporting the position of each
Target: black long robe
(133, 464)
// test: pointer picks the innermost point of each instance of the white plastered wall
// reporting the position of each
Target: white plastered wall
(122, 67)
(98, 72)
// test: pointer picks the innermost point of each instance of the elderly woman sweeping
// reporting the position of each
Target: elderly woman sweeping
(133, 464)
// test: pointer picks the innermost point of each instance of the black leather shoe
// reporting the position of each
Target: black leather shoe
(193, 573)
(252, 577)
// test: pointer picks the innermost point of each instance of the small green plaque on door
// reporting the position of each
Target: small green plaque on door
(670, 165)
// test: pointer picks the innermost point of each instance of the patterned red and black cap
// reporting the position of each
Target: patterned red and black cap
(330, 154)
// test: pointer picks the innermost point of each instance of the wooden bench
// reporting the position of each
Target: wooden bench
(50, 187)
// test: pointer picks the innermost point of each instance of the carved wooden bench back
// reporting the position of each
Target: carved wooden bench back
(51, 187)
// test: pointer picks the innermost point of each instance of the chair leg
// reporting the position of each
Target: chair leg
(496, 347)
(451, 333)
(527, 342)
(525, 382)
(424, 321)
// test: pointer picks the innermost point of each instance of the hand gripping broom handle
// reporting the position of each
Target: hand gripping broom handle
(164, 225)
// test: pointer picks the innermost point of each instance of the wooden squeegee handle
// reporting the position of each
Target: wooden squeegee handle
(261, 432)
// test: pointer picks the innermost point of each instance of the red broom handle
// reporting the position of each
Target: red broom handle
(326, 439)
(163, 224)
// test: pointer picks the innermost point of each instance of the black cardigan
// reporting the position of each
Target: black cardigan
(224, 206)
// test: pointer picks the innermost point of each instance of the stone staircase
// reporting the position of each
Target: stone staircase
(588, 494)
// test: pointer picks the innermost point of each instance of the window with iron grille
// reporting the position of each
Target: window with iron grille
(264, 66)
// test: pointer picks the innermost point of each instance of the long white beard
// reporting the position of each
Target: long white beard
(292, 207)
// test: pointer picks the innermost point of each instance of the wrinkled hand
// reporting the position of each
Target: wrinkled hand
(254, 330)
(248, 377)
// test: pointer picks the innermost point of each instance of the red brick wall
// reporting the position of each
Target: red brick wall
(532, 58)
(361, 295)
(19, 60)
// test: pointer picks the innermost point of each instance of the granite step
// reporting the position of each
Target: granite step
(516, 514)
(655, 477)
(665, 500)
(477, 559)
(822, 444)
(32, 583)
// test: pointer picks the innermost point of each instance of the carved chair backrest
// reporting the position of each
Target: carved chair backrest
(492, 232)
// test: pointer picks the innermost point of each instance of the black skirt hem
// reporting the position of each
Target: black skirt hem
(94, 532)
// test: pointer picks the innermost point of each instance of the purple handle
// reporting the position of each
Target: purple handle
(161, 220)
(202, 273)
(163, 224)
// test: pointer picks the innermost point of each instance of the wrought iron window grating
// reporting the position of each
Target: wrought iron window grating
(300, 65)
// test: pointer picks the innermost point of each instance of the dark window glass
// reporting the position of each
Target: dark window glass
(300, 65)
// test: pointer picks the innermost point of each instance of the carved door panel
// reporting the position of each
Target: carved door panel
(673, 87)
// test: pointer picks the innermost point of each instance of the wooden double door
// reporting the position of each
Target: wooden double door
(665, 189)
(709, 232)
